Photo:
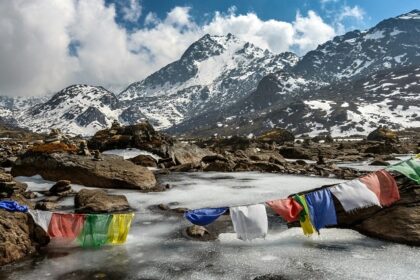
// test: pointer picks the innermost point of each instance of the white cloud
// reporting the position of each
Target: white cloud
(35, 37)
(351, 12)
(132, 11)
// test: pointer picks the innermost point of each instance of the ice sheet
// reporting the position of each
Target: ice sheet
(156, 249)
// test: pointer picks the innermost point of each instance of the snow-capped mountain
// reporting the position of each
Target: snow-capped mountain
(214, 72)
(392, 43)
(366, 70)
(389, 97)
(223, 85)
(77, 109)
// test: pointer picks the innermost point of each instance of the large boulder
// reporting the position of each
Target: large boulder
(144, 160)
(278, 135)
(183, 153)
(141, 136)
(383, 134)
(98, 201)
(110, 172)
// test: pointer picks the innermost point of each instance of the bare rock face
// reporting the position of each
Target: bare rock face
(110, 172)
(98, 201)
(183, 153)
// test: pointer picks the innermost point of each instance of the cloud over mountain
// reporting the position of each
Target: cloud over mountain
(49, 45)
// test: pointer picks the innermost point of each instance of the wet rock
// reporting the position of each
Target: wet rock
(111, 172)
(273, 277)
(185, 167)
(219, 166)
(98, 201)
(197, 231)
(144, 160)
(379, 162)
(61, 187)
(213, 158)
(46, 205)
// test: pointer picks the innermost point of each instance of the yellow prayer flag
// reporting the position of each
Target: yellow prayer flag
(119, 228)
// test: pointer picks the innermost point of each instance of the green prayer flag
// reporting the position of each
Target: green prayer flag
(95, 231)
(409, 168)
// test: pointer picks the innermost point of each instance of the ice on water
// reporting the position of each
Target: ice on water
(155, 249)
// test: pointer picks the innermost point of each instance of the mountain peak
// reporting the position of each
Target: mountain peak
(414, 14)
(210, 45)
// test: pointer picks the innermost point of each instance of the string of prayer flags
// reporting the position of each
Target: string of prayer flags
(65, 225)
(41, 218)
(321, 208)
(249, 222)
(409, 168)
(383, 185)
(289, 209)
(354, 195)
(13, 206)
(304, 219)
(119, 228)
(95, 231)
(204, 216)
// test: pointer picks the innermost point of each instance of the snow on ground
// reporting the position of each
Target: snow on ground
(130, 153)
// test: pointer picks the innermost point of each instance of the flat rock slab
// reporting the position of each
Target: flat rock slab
(110, 172)
(98, 201)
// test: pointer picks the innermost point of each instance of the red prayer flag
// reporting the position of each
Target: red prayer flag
(288, 208)
(66, 226)
(383, 185)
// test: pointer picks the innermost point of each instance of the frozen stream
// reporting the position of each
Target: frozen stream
(157, 249)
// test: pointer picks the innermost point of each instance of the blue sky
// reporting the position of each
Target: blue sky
(113, 43)
(284, 10)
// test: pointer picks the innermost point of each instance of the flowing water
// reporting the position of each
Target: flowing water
(157, 248)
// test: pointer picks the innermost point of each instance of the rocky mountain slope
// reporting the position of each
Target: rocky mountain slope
(226, 86)
(346, 86)
(77, 109)
(389, 97)
(214, 72)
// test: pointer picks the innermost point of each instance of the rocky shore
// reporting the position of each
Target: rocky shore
(67, 161)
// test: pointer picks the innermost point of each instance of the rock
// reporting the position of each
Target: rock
(383, 149)
(277, 135)
(111, 172)
(379, 162)
(383, 134)
(60, 186)
(46, 205)
(213, 158)
(141, 136)
(19, 236)
(54, 148)
(183, 153)
(144, 160)
(185, 167)
(294, 153)
(197, 231)
(98, 201)
(219, 166)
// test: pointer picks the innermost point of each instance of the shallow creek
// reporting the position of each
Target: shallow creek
(157, 249)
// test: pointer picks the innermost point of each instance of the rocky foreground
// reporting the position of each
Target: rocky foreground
(79, 161)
